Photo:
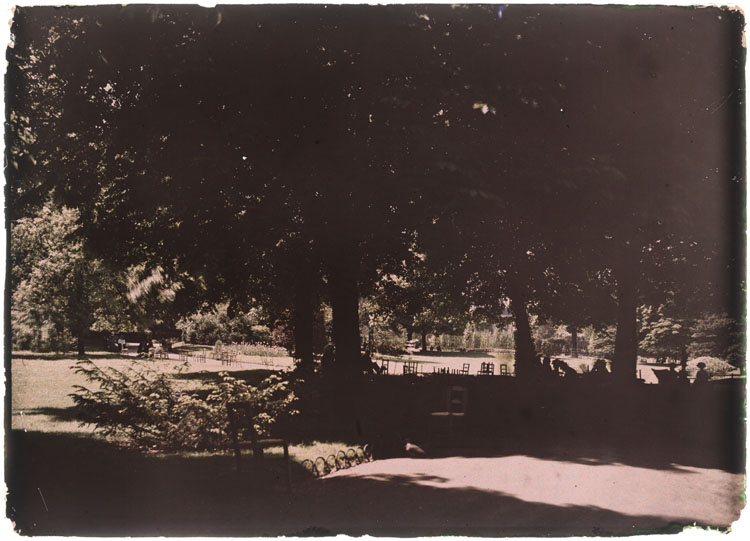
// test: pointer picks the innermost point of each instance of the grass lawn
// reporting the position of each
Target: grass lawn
(64, 480)
(41, 385)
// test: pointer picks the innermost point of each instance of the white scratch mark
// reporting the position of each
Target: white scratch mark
(42, 496)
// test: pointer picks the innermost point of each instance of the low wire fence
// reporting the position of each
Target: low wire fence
(342, 460)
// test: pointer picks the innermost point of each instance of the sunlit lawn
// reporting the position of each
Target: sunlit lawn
(64, 480)
(41, 386)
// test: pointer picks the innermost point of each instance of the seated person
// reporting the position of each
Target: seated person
(600, 369)
(702, 376)
(562, 366)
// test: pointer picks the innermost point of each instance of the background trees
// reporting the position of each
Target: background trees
(58, 290)
(546, 162)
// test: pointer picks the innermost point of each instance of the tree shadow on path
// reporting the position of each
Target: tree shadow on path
(60, 484)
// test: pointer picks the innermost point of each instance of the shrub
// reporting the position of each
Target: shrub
(217, 324)
(389, 342)
(603, 342)
(144, 408)
(717, 336)
(283, 332)
(715, 367)
(262, 350)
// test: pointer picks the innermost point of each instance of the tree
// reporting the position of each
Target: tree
(301, 154)
(717, 336)
(220, 139)
(664, 337)
(423, 299)
(57, 291)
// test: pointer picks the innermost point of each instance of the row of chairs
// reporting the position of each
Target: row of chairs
(187, 356)
(486, 369)
(413, 368)
(228, 356)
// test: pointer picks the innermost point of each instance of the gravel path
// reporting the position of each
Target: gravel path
(517, 495)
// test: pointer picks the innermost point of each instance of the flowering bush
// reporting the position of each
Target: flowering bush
(144, 408)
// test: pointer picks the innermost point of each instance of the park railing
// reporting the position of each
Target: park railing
(342, 460)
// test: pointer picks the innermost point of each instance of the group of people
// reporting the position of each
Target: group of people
(672, 376)
(546, 367)
(146, 347)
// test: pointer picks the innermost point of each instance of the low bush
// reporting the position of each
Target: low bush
(716, 367)
(218, 324)
(145, 408)
(263, 350)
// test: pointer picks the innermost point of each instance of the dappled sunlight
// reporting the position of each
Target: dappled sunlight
(704, 495)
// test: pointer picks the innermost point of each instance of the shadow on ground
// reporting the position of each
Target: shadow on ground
(253, 377)
(62, 484)
(57, 414)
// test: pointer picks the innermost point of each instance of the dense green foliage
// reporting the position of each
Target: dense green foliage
(59, 291)
(146, 408)
(717, 336)
(216, 324)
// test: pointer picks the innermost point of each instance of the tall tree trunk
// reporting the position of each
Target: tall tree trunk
(424, 341)
(343, 271)
(574, 342)
(409, 334)
(370, 337)
(625, 362)
(525, 354)
(303, 320)
(81, 342)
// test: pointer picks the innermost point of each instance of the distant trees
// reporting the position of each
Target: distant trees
(423, 300)
(251, 168)
(718, 336)
(217, 324)
(58, 290)
(669, 334)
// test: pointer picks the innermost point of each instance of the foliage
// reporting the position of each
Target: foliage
(282, 334)
(715, 367)
(216, 324)
(57, 291)
(662, 336)
(422, 298)
(152, 294)
(665, 335)
(717, 336)
(483, 337)
(263, 205)
(146, 409)
(374, 322)
(262, 350)
(551, 339)
(389, 342)
(603, 342)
